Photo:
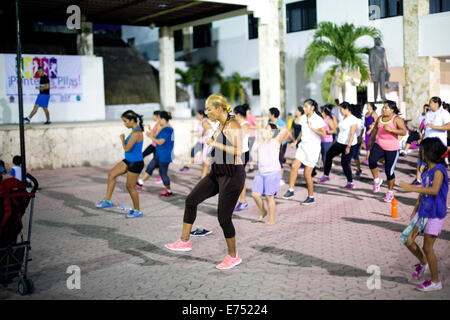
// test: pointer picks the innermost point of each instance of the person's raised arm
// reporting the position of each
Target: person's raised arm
(401, 128)
(133, 139)
(433, 190)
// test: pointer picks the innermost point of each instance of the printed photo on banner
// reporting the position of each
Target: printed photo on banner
(64, 73)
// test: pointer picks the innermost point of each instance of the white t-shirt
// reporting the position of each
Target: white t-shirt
(439, 118)
(309, 136)
(16, 172)
(336, 112)
(345, 127)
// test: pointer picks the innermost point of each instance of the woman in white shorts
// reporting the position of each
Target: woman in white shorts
(308, 151)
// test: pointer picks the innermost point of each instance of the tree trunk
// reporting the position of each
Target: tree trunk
(343, 92)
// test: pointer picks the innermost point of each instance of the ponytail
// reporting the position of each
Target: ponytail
(131, 115)
(314, 104)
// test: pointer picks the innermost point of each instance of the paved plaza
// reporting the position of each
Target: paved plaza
(321, 251)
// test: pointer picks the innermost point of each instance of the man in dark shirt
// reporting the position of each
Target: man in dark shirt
(42, 98)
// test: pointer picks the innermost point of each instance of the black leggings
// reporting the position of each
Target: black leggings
(197, 148)
(149, 150)
(335, 150)
(229, 190)
(376, 153)
(163, 168)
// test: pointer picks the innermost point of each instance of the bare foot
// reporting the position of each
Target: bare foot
(269, 223)
(262, 216)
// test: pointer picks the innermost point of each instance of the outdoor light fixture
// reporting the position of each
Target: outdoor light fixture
(162, 5)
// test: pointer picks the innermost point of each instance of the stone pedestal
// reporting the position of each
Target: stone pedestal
(167, 86)
(422, 74)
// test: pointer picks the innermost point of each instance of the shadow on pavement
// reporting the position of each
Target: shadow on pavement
(396, 227)
(120, 242)
(334, 269)
(73, 202)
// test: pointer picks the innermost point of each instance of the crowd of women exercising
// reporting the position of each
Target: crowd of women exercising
(225, 138)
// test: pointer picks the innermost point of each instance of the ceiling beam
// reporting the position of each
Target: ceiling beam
(221, 16)
(161, 13)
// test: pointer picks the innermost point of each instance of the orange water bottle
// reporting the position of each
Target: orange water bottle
(394, 210)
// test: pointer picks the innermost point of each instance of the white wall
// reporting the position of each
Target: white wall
(434, 35)
(92, 106)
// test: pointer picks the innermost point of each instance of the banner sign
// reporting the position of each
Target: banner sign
(64, 73)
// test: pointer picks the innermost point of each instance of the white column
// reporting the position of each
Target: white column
(85, 39)
(271, 66)
(167, 87)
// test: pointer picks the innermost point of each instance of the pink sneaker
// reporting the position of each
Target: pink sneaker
(158, 180)
(324, 179)
(389, 196)
(377, 186)
(420, 270)
(430, 286)
(179, 245)
(229, 262)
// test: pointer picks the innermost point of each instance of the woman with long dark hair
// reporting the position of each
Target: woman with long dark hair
(308, 151)
(330, 127)
(369, 121)
(132, 165)
(226, 178)
(388, 127)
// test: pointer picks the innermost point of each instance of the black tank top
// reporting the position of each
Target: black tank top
(223, 163)
(297, 129)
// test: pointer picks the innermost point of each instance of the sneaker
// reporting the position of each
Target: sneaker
(241, 206)
(377, 186)
(358, 173)
(403, 153)
(349, 185)
(134, 214)
(158, 180)
(308, 201)
(229, 262)
(166, 193)
(200, 232)
(282, 183)
(184, 169)
(430, 286)
(104, 204)
(366, 161)
(288, 195)
(324, 179)
(389, 196)
(139, 185)
(47, 122)
(420, 270)
(26, 119)
(179, 245)
(416, 183)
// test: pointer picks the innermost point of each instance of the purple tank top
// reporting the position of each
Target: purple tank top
(368, 121)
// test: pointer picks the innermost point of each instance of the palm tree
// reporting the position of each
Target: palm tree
(186, 79)
(232, 88)
(338, 43)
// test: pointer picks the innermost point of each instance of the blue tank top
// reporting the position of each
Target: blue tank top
(135, 154)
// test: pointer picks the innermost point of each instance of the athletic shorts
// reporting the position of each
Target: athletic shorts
(308, 153)
(42, 100)
(134, 167)
(245, 158)
(433, 227)
(267, 184)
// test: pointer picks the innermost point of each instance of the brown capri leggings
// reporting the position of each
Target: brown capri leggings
(228, 188)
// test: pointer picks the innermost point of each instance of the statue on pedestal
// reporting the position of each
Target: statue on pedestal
(378, 65)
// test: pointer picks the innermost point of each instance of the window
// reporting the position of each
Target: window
(301, 15)
(252, 27)
(202, 36)
(178, 39)
(437, 6)
(379, 9)
(255, 87)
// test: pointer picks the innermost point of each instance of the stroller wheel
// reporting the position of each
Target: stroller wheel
(25, 286)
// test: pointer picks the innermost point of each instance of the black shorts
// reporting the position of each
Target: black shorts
(413, 136)
(134, 167)
(245, 158)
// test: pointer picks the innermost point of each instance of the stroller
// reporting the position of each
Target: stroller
(14, 256)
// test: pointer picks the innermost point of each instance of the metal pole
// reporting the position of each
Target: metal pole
(20, 92)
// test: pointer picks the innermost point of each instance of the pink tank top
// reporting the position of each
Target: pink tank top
(328, 137)
(386, 140)
(268, 157)
(154, 130)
